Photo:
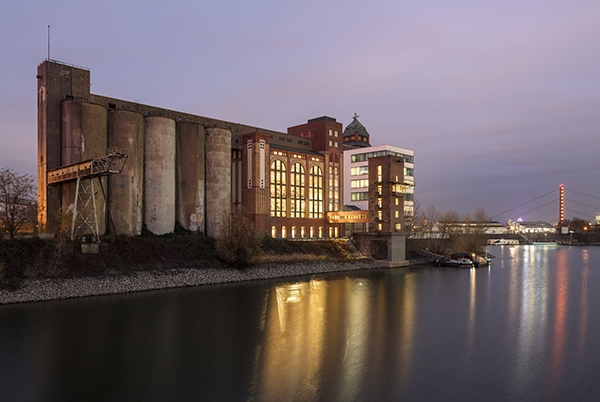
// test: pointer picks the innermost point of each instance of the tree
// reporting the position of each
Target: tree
(239, 243)
(17, 205)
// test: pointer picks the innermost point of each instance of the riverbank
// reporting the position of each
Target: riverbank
(32, 290)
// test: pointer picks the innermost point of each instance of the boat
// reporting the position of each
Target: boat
(459, 263)
(464, 260)
(503, 242)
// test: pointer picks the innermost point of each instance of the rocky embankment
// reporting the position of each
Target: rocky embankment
(55, 289)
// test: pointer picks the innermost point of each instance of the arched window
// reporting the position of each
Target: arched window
(297, 207)
(278, 189)
(315, 193)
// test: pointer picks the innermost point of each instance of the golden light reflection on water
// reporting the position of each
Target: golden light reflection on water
(318, 326)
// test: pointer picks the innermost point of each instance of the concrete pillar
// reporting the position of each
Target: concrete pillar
(218, 179)
(159, 174)
(126, 131)
(190, 176)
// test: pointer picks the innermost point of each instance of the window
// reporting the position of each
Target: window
(379, 173)
(331, 132)
(330, 143)
(409, 172)
(320, 231)
(359, 170)
(361, 183)
(297, 195)
(336, 133)
(293, 232)
(398, 226)
(397, 214)
(274, 232)
(283, 232)
(397, 203)
(315, 193)
(312, 231)
(362, 196)
(278, 189)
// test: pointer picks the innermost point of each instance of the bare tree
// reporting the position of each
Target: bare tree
(448, 220)
(17, 194)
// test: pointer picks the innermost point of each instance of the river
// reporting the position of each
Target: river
(525, 329)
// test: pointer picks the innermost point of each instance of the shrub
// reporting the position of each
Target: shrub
(239, 243)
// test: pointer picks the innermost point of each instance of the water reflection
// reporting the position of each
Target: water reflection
(524, 329)
(318, 327)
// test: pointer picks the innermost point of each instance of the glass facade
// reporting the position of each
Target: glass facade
(315, 193)
(297, 189)
(278, 189)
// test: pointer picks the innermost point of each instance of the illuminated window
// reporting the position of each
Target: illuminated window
(360, 183)
(397, 214)
(302, 231)
(293, 232)
(312, 231)
(320, 231)
(359, 170)
(398, 226)
(379, 227)
(274, 232)
(397, 203)
(362, 196)
(379, 173)
(336, 133)
(297, 196)
(315, 193)
(283, 232)
(380, 215)
(278, 189)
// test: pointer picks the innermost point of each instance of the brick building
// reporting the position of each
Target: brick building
(192, 171)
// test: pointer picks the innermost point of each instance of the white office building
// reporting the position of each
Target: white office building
(356, 175)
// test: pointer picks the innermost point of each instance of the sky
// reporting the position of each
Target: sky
(500, 101)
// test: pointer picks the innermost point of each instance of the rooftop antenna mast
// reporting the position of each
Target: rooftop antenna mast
(48, 42)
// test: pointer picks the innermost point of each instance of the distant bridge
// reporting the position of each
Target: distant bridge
(562, 201)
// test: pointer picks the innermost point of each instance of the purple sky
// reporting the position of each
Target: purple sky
(499, 100)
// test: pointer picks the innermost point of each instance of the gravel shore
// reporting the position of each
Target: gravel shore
(56, 289)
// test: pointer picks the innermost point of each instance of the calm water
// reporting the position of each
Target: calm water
(526, 329)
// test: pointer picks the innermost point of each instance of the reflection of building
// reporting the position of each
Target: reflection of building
(192, 171)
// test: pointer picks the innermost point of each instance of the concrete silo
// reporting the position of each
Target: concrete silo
(126, 131)
(159, 174)
(83, 137)
(218, 179)
(190, 176)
